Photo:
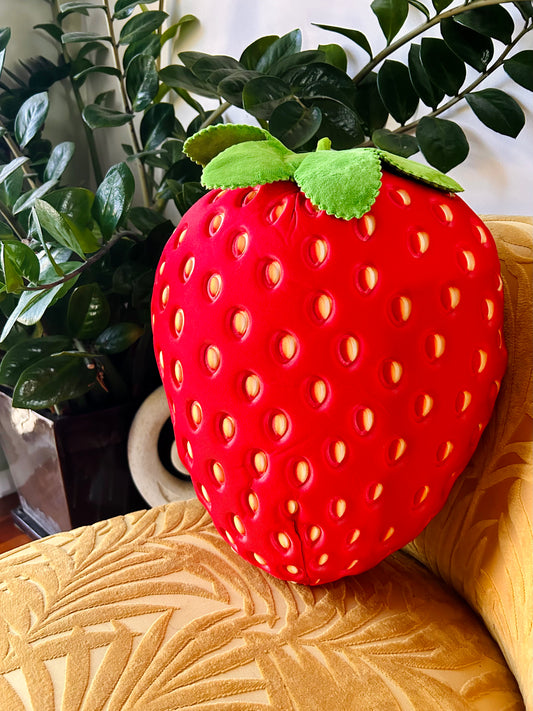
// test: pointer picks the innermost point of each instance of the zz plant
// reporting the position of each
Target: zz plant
(77, 265)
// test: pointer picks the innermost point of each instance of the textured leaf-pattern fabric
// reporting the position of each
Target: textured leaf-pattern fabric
(155, 612)
(482, 540)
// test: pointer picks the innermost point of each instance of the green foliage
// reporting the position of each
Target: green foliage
(77, 264)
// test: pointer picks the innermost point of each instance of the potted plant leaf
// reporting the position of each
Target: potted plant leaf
(77, 263)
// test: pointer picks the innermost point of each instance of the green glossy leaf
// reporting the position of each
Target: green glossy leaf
(420, 6)
(492, 20)
(249, 163)
(31, 117)
(335, 55)
(294, 124)
(291, 43)
(396, 90)
(429, 93)
(343, 183)
(442, 142)
(54, 31)
(178, 77)
(353, 35)
(525, 9)
(141, 25)
(321, 80)
(11, 187)
(368, 104)
(145, 219)
(157, 125)
(473, 48)
(96, 69)
(391, 15)
(25, 201)
(88, 312)
(260, 96)
(339, 123)
(79, 6)
(173, 30)
(124, 8)
(253, 53)
(59, 160)
(401, 144)
(497, 110)
(520, 68)
(5, 36)
(142, 81)
(441, 5)
(150, 45)
(11, 167)
(57, 226)
(19, 263)
(231, 87)
(118, 338)
(75, 203)
(26, 353)
(75, 37)
(54, 379)
(96, 116)
(445, 69)
(113, 198)
(185, 194)
(213, 68)
(209, 142)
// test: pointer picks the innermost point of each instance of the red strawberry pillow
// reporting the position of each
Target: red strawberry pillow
(328, 328)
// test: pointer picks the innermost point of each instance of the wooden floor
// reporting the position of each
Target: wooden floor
(10, 536)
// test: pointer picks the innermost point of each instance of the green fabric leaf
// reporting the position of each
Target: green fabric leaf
(118, 338)
(141, 25)
(442, 142)
(59, 160)
(396, 90)
(113, 198)
(497, 110)
(249, 163)
(343, 183)
(88, 312)
(260, 96)
(353, 35)
(291, 43)
(473, 48)
(54, 379)
(520, 68)
(444, 68)
(203, 146)
(26, 353)
(294, 124)
(142, 81)
(492, 20)
(421, 172)
(401, 144)
(430, 94)
(96, 116)
(31, 117)
(391, 15)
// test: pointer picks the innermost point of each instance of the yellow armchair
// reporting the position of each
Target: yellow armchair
(153, 611)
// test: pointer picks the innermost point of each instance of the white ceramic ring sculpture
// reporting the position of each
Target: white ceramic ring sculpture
(155, 483)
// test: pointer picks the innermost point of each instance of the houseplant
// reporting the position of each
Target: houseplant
(78, 264)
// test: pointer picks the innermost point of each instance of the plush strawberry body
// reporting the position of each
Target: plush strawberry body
(328, 379)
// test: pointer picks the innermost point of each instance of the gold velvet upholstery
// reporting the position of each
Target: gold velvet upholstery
(154, 611)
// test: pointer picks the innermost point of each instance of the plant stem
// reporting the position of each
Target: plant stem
(95, 258)
(16, 153)
(216, 113)
(127, 107)
(89, 136)
(13, 224)
(435, 20)
(161, 7)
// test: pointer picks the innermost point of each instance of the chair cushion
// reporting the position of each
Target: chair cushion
(482, 541)
(155, 612)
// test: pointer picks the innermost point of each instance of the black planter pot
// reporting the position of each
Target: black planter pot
(69, 470)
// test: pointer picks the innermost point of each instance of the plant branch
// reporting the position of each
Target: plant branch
(435, 20)
(89, 262)
(16, 153)
(222, 108)
(127, 107)
(13, 224)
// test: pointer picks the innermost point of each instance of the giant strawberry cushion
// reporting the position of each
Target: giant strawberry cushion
(328, 328)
